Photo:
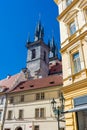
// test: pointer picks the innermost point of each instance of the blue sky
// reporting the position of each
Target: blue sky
(17, 19)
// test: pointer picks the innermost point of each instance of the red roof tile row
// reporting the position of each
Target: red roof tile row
(53, 80)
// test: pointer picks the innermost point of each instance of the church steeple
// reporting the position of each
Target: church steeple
(39, 32)
(53, 48)
(37, 55)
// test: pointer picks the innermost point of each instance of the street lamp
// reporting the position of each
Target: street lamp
(59, 109)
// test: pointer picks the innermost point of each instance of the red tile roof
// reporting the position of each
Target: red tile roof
(53, 80)
(11, 81)
(55, 68)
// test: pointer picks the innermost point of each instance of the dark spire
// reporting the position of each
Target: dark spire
(49, 43)
(39, 32)
(28, 40)
(53, 48)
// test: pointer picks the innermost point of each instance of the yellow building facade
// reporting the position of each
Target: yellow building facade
(73, 32)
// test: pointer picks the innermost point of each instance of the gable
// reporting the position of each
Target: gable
(70, 15)
(83, 4)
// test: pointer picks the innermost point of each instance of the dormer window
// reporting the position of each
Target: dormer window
(68, 2)
(33, 54)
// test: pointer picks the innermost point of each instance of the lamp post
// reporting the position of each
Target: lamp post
(59, 109)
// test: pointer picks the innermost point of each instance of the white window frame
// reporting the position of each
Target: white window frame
(21, 111)
(1, 100)
(0, 115)
(76, 62)
(40, 96)
(72, 27)
(68, 2)
(40, 113)
(10, 115)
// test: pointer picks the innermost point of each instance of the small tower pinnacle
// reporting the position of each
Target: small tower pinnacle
(53, 48)
(39, 32)
(28, 38)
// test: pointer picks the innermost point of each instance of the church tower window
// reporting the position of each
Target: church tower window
(45, 56)
(33, 53)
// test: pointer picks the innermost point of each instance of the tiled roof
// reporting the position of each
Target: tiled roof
(55, 68)
(11, 81)
(53, 80)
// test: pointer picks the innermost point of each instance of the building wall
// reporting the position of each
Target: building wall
(29, 105)
(70, 43)
(80, 89)
(37, 66)
(75, 84)
(2, 109)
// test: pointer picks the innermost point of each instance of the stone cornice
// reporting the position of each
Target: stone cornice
(56, 1)
(75, 86)
(67, 9)
(73, 41)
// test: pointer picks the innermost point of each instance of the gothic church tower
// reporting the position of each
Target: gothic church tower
(37, 55)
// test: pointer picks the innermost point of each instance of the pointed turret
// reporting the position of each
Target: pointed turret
(39, 32)
(28, 40)
(53, 48)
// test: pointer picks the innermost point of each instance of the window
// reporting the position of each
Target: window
(0, 115)
(22, 98)
(11, 100)
(7, 129)
(33, 53)
(72, 27)
(9, 115)
(20, 114)
(76, 62)
(36, 113)
(39, 96)
(39, 113)
(1, 100)
(68, 2)
(45, 56)
(36, 127)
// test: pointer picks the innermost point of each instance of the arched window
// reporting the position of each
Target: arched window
(18, 128)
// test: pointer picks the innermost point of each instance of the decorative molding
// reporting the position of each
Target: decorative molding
(73, 41)
(70, 15)
(83, 3)
(67, 9)
(75, 85)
